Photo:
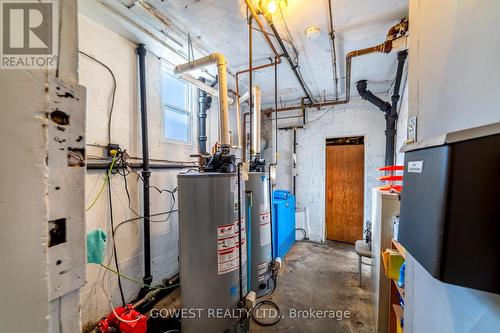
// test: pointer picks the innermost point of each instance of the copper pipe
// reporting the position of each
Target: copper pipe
(394, 33)
(238, 96)
(255, 15)
(382, 48)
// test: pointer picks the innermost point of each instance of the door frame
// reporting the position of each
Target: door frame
(333, 137)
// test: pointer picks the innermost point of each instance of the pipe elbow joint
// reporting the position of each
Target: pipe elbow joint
(361, 86)
(219, 58)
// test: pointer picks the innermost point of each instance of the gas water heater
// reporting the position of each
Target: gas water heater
(212, 232)
(209, 228)
(258, 203)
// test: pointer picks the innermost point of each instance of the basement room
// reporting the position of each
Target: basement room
(250, 166)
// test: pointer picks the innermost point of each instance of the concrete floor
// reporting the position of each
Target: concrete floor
(322, 278)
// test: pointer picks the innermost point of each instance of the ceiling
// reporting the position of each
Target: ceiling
(220, 26)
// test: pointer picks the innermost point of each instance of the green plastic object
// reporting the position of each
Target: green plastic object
(96, 246)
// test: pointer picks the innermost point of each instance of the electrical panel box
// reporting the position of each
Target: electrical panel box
(450, 207)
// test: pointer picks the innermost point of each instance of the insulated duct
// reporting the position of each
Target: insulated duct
(220, 61)
(255, 149)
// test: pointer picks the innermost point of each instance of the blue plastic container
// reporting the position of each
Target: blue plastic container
(283, 222)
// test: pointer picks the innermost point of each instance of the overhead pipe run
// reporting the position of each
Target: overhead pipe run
(294, 66)
(396, 40)
(390, 110)
(276, 34)
(242, 98)
(220, 61)
(334, 51)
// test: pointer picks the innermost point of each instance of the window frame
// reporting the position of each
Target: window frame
(166, 69)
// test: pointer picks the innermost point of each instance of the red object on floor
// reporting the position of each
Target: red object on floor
(131, 321)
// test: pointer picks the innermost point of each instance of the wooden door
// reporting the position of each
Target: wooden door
(344, 192)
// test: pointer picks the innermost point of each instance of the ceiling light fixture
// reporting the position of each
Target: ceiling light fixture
(313, 32)
(272, 6)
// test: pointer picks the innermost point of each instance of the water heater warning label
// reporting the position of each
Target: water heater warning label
(228, 247)
(265, 228)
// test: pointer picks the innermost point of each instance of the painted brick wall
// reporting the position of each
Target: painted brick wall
(358, 118)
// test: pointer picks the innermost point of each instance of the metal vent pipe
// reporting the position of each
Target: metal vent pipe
(220, 61)
(256, 122)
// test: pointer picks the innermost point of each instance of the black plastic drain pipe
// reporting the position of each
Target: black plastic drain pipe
(204, 101)
(390, 110)
(146, 173)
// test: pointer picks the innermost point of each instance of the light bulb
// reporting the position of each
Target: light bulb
(272, 7)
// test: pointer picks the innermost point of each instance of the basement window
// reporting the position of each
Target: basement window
(176, 97)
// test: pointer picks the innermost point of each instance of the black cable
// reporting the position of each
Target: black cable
(314, 120)
(114, 243)
(240, 271)
(150, 186)
(171, 192)
(142, 217)
(276, 110)
(306, 239)
(303, 231)
(113, 94)
(267, 301)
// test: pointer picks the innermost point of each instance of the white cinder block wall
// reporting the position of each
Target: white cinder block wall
(120, 55)
(358, 118)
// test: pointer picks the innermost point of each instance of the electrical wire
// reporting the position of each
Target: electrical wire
(290, 39)
(113, 92)
(139, 282)
(106, 179)
(297, 65)
(306, 239)
(160, 191)
(312, 121)
(267, 301)
(114, 243)
(142, 217)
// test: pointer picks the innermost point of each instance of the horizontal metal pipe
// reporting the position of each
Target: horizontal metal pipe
(153, 295)
(396, 33)
(104, 165)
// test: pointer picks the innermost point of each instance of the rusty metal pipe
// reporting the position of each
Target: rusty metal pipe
(238, 96)
(396, 32)
(382, 48)
(255, 15)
